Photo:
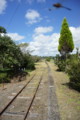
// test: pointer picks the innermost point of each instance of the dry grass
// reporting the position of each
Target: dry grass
(68, 99)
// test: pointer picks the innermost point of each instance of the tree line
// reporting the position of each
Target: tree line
(13, 60)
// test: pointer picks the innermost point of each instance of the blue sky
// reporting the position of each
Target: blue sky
(31, 21)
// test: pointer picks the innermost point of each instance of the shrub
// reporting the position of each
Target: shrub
(71, 66)
(48, 59)
(74, 74)
(4, 78)
(28, 62)
(61, 65)
(13, 60)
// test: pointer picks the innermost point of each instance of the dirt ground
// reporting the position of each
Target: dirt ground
(44, 106)
(68, 99)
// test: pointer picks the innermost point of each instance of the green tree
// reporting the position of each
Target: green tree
(13, 59)
(10, 54)
(2, 30)
(66, 44)
(23, 47)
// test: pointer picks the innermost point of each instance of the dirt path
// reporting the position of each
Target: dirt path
(53, 109)
(45, 104)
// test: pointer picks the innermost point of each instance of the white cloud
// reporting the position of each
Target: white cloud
(40, 30)
(32, 16)
(3, 4)
(76, 33)
(16, 36)
(44, 45)
(47, 45)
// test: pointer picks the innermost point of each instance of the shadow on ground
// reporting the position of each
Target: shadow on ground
(71, 86)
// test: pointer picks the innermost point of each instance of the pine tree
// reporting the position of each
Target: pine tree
(66, 44)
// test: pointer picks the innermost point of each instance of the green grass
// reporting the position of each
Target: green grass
(68, 99)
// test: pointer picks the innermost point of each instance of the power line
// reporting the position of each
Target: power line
(13, 15)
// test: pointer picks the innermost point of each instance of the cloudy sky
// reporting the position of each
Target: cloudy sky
(30, 21)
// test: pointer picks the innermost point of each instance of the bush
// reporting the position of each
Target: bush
(13, 60)
(71, 66)
(48, 59)
(31, 66)
(28, 62)
(61, 63)
(4, 78)
(74, 74)
(36, 58)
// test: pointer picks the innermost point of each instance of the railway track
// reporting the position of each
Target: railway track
(3, 113)
(16, 96)
(21, 105)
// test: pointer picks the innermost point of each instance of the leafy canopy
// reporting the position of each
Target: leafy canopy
(10, 53)
(2, 29)
(66, 44)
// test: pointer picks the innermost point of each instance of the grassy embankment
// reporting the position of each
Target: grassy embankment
(68, 99)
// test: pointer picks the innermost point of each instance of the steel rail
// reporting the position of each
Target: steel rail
(16, 95)
(33, 98)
